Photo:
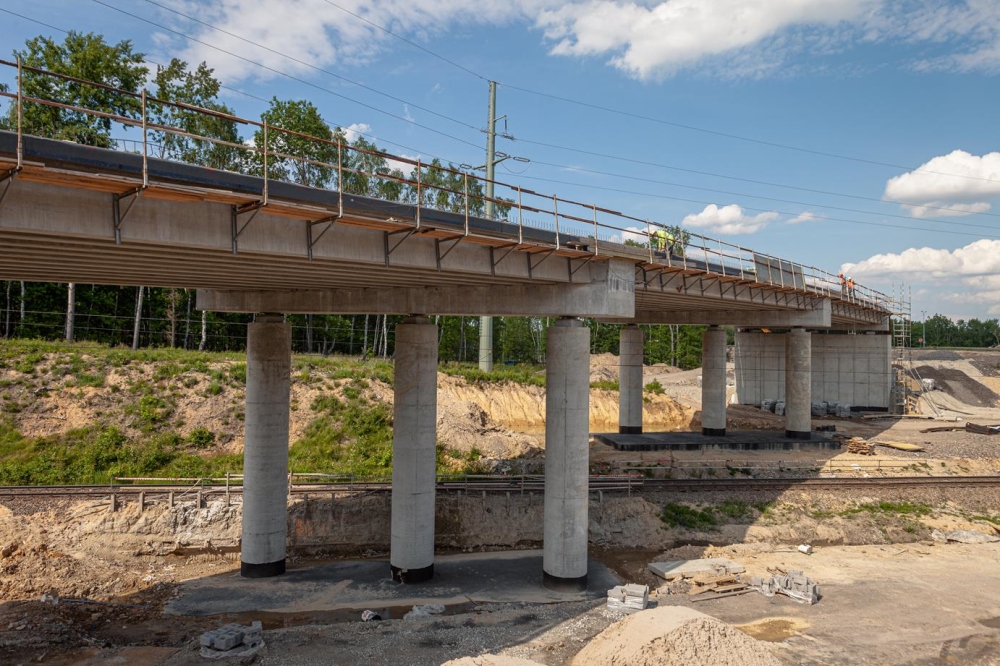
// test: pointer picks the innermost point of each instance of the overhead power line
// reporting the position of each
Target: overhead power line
(314, 67)
(287, 75)
(652, 119)
(619, 190)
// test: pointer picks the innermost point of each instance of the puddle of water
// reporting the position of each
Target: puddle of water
(271, 620)
(773, 629)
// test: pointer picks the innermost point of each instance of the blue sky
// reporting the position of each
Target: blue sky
(899, 83)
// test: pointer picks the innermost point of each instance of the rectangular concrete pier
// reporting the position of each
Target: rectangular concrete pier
(736, 440)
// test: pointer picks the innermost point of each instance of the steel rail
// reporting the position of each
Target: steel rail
(509, 484)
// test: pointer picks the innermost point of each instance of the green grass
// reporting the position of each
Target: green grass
(528, 375)
(681, 515)
(891, 509)
(734, 508)
(655, 387)
(605, 384)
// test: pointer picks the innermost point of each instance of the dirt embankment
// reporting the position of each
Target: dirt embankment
(497, 419)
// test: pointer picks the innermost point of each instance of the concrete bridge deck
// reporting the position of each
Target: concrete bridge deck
(82, 214)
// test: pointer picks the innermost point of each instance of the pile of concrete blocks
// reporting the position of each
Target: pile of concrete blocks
(794, 584)
(819, 408)
(628, 598)
(767, 405)
(232, 640)
(779, 408)
(843, 411)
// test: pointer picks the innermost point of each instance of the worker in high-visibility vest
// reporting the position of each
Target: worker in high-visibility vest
(850, 287)
(843, 286)
(660, 242)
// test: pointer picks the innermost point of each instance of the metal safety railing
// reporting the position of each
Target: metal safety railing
(579, 229)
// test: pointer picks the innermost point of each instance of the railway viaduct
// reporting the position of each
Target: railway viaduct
(82, 214)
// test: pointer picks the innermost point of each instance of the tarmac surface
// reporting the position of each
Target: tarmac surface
(459, 580)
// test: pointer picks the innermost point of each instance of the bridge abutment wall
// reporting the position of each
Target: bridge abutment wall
(851, 369)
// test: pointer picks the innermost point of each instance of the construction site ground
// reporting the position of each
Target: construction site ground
(891, 595)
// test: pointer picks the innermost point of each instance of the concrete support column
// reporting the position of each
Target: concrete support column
(265, 451)
(798, 384)
(414, 441)
(630, 381)
(713, 382)
(567, 412)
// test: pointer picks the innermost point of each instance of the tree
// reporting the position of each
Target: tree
(299, 155)
(367, 163)
(83, 56)
(176, 83)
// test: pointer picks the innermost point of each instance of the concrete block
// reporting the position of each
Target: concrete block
(819, 409)
(844, 411)
(779, 408)
(768, 405)
(687, 568)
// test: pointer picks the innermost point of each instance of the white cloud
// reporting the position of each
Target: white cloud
(646, 39)
(805, 216)
(981, 258)
(958, 183)
(354, 130)
(651, 40)
(728, 220)
(945, 209)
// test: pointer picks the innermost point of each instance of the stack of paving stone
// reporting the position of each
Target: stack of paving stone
(232, 639)
(860, 446)
(628, 598)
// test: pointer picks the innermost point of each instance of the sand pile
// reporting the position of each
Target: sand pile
(490, 660)
(673, 636)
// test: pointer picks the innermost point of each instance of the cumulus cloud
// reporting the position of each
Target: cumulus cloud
(952, 185)
(650, 39)
(729, 219)
(981, 258)
(354, 130)
(805, 216)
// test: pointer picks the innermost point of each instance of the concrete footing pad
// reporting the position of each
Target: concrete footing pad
(734, 440)
(508, 577)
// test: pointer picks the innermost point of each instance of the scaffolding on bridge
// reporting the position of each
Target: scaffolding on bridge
(907, 385)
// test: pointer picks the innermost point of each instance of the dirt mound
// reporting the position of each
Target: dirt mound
(673, 636)
(937, 355)
(490, 660)
(465, 426)
(960, 385)
(604, 368)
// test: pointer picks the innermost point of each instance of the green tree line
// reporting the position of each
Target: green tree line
(940, 331)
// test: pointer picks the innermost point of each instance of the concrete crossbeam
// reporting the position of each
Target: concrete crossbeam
(606, 295)
(818, 317)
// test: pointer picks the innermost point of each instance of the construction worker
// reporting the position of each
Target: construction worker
(843, 286)
(660, 242)
(850, 287)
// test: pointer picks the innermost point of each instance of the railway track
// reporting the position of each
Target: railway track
(513, 484)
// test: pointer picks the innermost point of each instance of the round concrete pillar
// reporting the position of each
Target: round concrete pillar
(798, 384)
(713, 382)
(630, 381)
(265, 449)
(414, 441)
(567, 433)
